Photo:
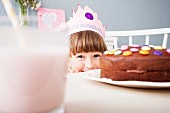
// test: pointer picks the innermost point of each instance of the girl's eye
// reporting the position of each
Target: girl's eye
(96, 55)
(80, 56)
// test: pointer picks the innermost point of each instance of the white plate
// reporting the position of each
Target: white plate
(95, 76)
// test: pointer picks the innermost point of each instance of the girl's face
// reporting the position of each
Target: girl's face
(82, 62)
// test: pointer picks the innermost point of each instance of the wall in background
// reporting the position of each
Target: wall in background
(116, 14)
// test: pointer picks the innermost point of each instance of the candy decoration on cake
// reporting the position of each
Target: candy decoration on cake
(111, 52)
(158, 47)
(168, 51)
(124, 47)
(134, 49)
(85, 19)
(144, 52)
(106, 52)
(146, 48)
(127, 53)
(159, 53)
(118, 52)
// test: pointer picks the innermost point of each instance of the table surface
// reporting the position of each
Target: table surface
(87, 96)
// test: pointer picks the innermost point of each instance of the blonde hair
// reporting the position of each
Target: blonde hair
(86, 41)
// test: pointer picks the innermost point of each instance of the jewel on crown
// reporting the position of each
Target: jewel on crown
(85, 19)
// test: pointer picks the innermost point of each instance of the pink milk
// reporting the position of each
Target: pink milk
(32, 79)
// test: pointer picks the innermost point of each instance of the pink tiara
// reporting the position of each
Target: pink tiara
(85, 20)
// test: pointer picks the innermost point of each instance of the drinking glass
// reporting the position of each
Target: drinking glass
(33, 67)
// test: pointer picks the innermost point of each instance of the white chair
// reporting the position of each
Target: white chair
(111, 37)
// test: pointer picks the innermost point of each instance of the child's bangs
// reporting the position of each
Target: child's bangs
(87, 42)
(88, 45)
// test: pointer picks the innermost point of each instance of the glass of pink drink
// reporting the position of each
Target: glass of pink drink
(33, 66)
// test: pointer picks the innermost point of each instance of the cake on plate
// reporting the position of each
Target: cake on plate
(136, 63)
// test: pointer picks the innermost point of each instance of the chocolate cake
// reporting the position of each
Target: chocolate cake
(136, 63)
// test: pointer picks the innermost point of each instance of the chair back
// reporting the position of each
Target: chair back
(111, 37)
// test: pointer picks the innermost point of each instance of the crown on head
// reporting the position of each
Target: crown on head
(85, 20)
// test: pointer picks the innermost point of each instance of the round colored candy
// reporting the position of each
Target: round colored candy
(106, 52)
(124, 47)
(118, 52)
(168, 51)
(146, 48)
(158, 47)
(144, 52)
(134, 49)
(127, 53)
(111, 52)
(159, 53)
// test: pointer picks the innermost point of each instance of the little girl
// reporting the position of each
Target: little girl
(86, 40)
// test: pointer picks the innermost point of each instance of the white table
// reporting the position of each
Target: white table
(87, 96)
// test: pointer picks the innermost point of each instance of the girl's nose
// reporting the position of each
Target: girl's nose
(89, 63)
